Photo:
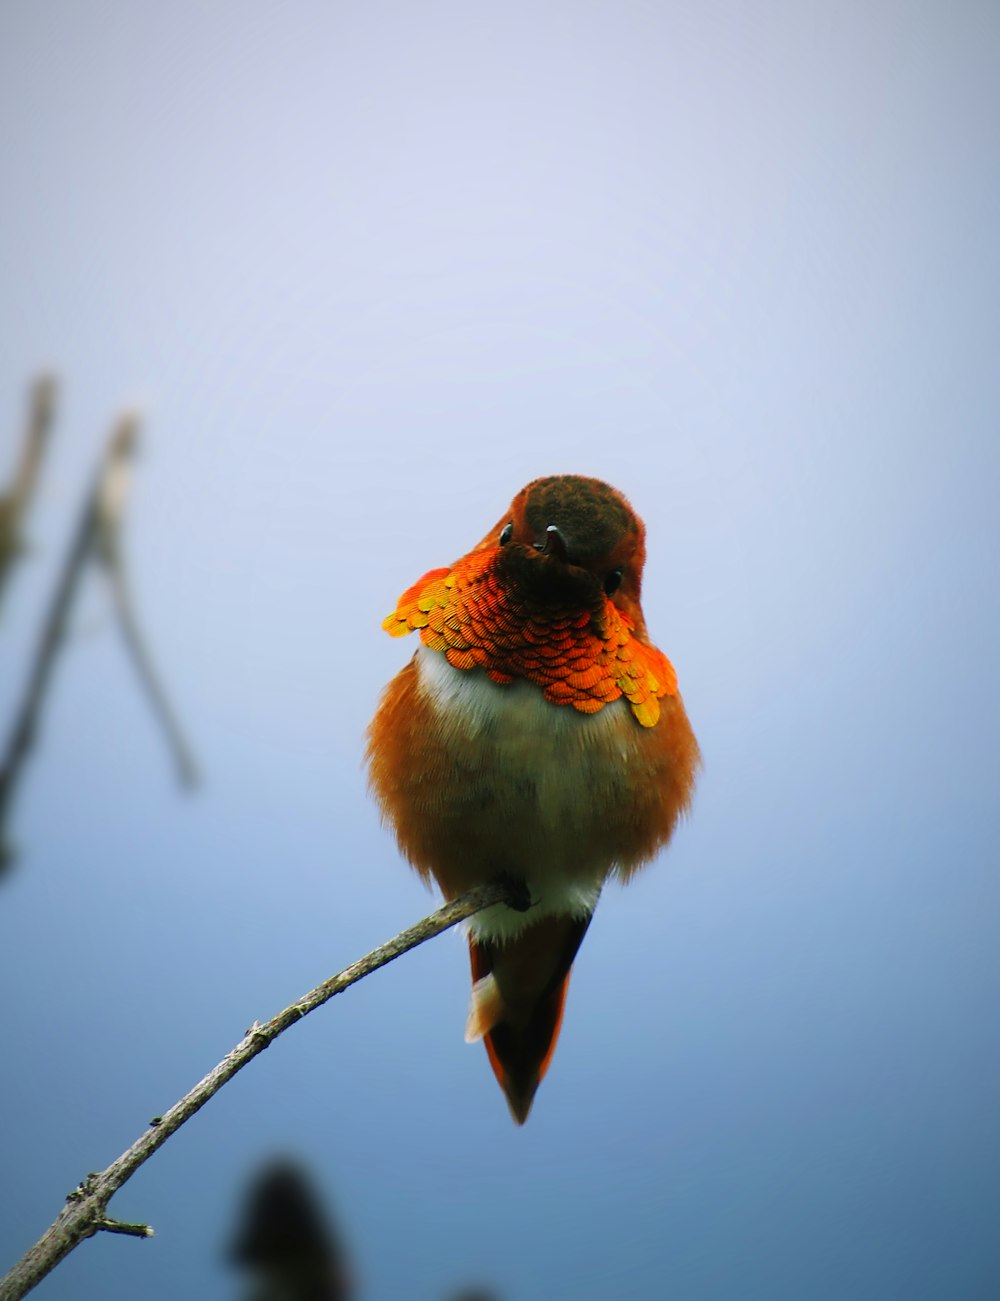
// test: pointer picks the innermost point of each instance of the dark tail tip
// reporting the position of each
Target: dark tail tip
(520, 1055)
(532, 975)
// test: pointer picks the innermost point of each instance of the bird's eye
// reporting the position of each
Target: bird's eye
(612, 581)
(506, 533)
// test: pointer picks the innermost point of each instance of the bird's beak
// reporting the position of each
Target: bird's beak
(555, 544)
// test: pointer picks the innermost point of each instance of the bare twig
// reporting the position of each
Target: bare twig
(109, 505)
(124, 1227)
(15, 501)
(85, 1212)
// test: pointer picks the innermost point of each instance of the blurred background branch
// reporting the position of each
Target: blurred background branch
(98, 535)
(110, 495)
(17, 499)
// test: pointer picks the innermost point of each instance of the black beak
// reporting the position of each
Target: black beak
(555, 544)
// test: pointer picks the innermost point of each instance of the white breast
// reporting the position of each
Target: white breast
(546, 773)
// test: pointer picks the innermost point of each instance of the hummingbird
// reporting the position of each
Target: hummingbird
(537, 734)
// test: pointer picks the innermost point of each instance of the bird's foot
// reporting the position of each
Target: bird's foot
(518, 894)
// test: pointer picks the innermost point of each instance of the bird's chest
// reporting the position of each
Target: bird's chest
(513, 760)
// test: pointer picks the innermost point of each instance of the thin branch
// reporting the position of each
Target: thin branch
(109, 506)
(15, 501)
(85, 1212)
(124, 1227)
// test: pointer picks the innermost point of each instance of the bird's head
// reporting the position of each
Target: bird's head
(568, 537)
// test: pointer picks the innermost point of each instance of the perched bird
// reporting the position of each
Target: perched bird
(537, 734)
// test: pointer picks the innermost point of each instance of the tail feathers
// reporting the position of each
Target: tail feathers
(518, 996)
(521, 1056)
(485, 1010)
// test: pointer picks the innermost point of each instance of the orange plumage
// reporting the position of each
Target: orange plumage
(537, 733)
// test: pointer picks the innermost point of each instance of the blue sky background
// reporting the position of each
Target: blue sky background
(367, 269)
